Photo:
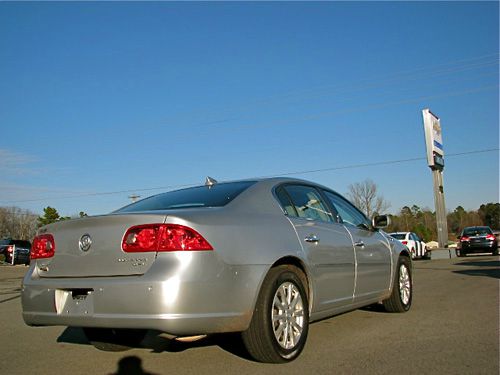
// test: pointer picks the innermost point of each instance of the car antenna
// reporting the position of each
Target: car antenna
(209, 181)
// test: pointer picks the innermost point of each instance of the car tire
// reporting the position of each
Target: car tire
(495, 252)
(402, 290)
(427, 254)
(280, 322)
(114, 340)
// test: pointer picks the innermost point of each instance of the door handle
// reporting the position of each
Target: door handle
(312, 238)
(359, 244)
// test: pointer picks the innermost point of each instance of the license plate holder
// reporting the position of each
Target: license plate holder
(74, 301)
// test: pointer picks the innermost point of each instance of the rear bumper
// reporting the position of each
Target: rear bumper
(479, 247)
(180, 295)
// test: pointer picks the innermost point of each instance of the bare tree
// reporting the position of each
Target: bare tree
(364, 196)
(17, 223)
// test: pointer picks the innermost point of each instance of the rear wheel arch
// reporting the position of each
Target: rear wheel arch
(268, 335)
(286, 261)
(405, 253)
(298, 263)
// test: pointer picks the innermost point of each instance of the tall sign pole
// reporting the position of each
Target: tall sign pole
(435, 160)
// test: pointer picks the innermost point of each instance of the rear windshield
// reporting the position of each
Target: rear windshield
(477, 231)
(217, 195)
(398, 236)
(20, 243)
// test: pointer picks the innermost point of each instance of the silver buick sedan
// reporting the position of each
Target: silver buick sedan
(262, 257)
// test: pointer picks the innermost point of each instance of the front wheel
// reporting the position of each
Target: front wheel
(280, 323)
(402, 290)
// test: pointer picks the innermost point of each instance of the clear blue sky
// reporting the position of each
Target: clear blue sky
(109, 97)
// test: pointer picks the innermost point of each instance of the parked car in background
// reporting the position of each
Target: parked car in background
(261, 257)
(477, 240)
(15, 251)
(413, 242)
(496, 233)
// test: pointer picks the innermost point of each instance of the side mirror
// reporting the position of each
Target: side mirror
(381, 221)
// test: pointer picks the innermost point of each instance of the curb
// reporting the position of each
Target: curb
(443, 253)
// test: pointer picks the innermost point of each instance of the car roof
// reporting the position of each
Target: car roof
(255, 197)
(268, 181)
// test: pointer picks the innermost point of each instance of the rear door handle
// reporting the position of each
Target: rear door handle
(312, 238)
(359, 244)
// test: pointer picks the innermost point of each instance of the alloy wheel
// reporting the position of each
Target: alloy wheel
(404, 284)
(287, 315)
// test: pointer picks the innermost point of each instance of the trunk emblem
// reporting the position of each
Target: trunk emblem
(85, 242)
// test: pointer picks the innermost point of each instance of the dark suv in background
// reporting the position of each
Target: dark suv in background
(477, 240)
(15, 251)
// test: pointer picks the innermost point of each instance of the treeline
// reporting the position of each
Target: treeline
(17, 223)
(423, 221)
(22, 224)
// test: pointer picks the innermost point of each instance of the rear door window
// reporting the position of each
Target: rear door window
(306, 201)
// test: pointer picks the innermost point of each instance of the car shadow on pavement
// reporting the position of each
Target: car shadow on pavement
(158, 342)
(488, 268)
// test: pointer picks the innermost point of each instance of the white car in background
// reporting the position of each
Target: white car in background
(413, 242)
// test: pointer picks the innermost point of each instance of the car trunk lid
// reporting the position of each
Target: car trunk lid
(91, 247)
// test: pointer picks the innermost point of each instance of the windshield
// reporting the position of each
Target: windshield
(217, 195)
(398, 236)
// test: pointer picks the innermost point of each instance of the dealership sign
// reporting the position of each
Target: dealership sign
(433, 140)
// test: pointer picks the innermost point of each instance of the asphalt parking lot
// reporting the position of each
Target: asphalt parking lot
(452, 328)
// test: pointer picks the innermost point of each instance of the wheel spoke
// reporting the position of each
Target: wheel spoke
(404, 284)
(291, 337)
(295, 300)
(277, 304)
(287, 315)
(297, 327)
(279, 318)
(279, 331)
(289, 294)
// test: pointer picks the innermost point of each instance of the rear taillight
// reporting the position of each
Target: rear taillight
(10, 249)
(163, 237)
(43, 246)
(404, 242)
(490, 237)
(464, 239)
